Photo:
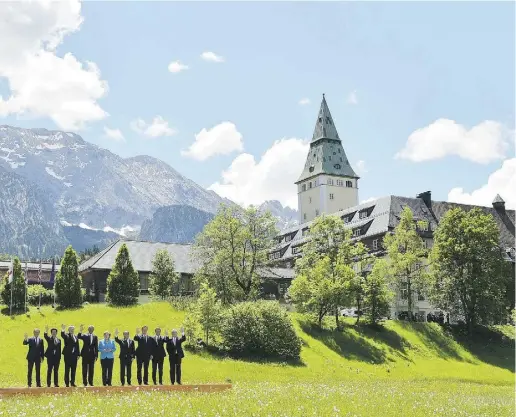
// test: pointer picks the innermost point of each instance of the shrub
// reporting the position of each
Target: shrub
(33, 292)
(260, 329)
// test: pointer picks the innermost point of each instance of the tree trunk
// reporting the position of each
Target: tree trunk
(337, 323)
(358, 310)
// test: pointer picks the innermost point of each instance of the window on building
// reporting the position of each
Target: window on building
(340, 183)
(375, 244)
(337, 166)
(349, 184)
(304, 216)
(288, 238)
(316, 212)
(404, 291)
(339, 152)
(305, 232)
(311, 169)
(303, 187)
(363, 214)
(331, 196)
(309, 199)
(356, 232)
(341, 159)
(310, 184)
(346, 219)
(296, 250)
(330, 181)
(334, 153)
(275, 255)
(329, 157)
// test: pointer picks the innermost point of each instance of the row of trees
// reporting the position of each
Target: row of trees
(464, 272)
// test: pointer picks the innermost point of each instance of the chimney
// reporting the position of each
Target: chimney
(426, 197)
(499, 203)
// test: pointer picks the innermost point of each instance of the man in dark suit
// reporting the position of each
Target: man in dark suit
(35, 356)
(175, 354)
(89, 354)
(143, 354)
(71, 353)
(53, 355)
(127, 354)
(158, 356)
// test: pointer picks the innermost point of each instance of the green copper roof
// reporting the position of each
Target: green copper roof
(326, 155)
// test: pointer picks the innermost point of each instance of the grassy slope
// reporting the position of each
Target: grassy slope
(403, 368)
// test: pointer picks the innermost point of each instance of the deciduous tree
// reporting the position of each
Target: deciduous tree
(18, 287)
(469, 274)
(377, 296)
(232, 249)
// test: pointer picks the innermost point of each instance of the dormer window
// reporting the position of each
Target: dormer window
(311, 169)
(346, 219)
(337, 166)
(288, 238)
(356, 232)
(363, 214)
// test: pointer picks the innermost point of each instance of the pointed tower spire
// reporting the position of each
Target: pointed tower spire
(324, 126)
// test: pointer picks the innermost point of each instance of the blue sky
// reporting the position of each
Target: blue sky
(388, 69)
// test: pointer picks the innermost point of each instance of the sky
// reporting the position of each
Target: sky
(422, 94)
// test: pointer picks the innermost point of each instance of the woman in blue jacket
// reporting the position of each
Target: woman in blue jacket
(107, 348)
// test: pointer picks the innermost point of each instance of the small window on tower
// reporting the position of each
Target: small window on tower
(339, 152)
(329, 158)
(330, 182)
(310, 184)
(349, 184)
(337, 166)
(311, 169)
(316, 212)
(341, 159)
(304, 216)
(331, 196)
(320, 119)
(324, 159)
(334, 153)
(309, 199)
(303, 187)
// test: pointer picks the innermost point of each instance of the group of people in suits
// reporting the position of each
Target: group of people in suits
(149, 349)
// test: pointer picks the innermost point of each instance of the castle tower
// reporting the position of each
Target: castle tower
(328, 183)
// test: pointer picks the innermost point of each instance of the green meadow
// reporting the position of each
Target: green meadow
(405, 369)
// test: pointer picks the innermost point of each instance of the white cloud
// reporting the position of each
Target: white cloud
(247, 181)
(361, 167)
(177, 66)
(41, 83)
(304, 101)
(221, 139)
(484, 143)
(158, 127)
(352, 97)
(114, 134)
(212, 57)
(502, 181)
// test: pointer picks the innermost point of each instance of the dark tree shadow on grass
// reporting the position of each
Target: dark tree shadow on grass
(354, 346)
(218, 353)
(487, 344)
(436, 338)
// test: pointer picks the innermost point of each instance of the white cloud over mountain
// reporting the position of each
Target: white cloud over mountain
(484, 143)
(114, 134)
(41, 83)
(221, 139)
(247, 181)
(502, 181)
(158, 127)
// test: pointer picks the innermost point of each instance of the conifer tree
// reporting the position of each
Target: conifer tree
(68, 281)
(123, 283)
(18, 285)
(163, 276)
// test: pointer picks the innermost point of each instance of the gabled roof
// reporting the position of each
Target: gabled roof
(142, 254)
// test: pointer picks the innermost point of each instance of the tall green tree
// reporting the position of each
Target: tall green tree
(18, 287)
(123, 283)
(208, 310)
(163, 276)
(232, 249)
(377, 295)
(468, 272)
(330, 242)
(406, 259)
(68, 281)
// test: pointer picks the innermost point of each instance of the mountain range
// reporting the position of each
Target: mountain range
(58, 189)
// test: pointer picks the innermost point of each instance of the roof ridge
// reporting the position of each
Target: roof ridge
(103, 252)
